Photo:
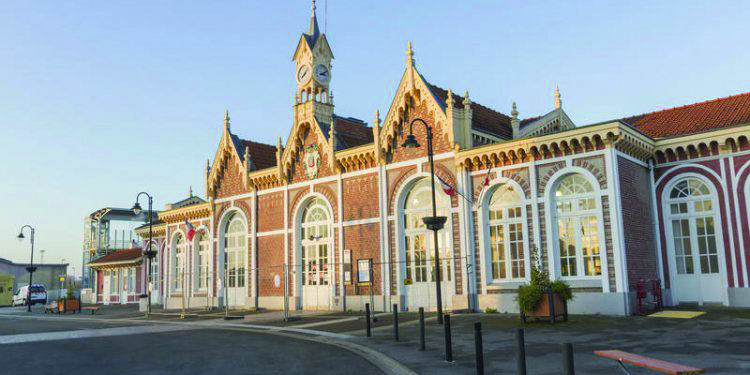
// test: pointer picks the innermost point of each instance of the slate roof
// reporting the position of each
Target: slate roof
(694, 118)
(119, 256)
(262, 155)
(187, 202)
(351, 132)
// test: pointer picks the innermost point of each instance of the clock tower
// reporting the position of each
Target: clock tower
(313, 75)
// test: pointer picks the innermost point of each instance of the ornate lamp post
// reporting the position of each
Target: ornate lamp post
(31, 267)
(433, 223)
(149, 253)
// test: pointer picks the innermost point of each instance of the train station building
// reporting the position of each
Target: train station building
(660, 196)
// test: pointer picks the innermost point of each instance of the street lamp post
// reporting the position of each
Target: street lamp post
(31, 267)
(433, 223)
(149, 253)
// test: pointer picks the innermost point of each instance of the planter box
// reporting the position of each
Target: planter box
(551, 306)
(68, 304)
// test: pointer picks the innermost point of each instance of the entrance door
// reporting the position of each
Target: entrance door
(236, 249)
(316, 277)
(105, 287)
(694, 257)
(420, 278)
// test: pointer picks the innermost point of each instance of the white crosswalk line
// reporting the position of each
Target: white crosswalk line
(86, 333)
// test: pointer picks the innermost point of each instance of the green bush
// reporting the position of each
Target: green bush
(490, 310)
(529, 295)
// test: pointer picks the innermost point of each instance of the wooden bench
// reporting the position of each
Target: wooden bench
(93, 309)
(649, 363)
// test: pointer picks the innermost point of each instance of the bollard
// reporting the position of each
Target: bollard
(478, 347)
(521, 351)
(448, 344)
(568, 365)
(421, 329)
(395, 322)
(367, 318)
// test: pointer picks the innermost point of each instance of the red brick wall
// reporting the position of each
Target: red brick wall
(324, 169)
(744, 202)
(360, 197)
(270, 212)
(230, 180)
(440, 143)
(638, 223)
(270, 264)
(364, 242)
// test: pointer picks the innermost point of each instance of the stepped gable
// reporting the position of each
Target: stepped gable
(694, 118)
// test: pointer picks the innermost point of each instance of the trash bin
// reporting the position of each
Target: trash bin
(143, 303)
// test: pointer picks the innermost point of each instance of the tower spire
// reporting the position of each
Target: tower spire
(226, 119)
(314, 31)
(409, 55)
(558, 101)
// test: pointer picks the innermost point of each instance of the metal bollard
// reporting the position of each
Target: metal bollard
(521, 351)
(568, 365)
(421, 329)
(367, 318)
(395, 322)
(478, 347)
(448, 344)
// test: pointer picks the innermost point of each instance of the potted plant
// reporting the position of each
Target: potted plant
(542, 297)
(70, 302)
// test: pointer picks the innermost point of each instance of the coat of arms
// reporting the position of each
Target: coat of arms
(311, 161)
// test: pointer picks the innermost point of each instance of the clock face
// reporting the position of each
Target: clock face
(322, 74)
(304, 74)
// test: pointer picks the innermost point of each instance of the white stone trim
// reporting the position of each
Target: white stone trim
(725, 186)
(371, 220)
(620, 253)
(567, 158)
(736, 190)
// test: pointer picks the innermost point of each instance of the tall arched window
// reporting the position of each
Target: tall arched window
(692, 214)
(418, 240)
(577, 218)
(314, 235)
(202, 259)
(236, 247)
(178, 268)
(506, 234)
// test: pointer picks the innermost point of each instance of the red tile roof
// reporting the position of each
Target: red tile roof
(119, 256)
(694, 118)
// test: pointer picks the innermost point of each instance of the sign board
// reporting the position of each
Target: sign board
(407, 281)
(277, 280)
(363, 271)
(347, 266)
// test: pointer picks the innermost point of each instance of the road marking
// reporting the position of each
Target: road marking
(88, 333)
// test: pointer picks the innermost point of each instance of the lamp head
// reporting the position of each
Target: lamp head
(20, 237)
(137, 208)
(410, 142)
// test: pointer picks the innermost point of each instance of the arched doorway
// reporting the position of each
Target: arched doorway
(315, 255)
(695, 259)
(234, 270)
(418, 248)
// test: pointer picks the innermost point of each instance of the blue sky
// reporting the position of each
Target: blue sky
(101, 100)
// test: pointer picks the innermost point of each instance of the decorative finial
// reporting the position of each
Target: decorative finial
(278, 145)
(514, 112)
(376, 120)
(330, 98)
(226, 119)
(190, 192)
(314, 31)
(558, 101)
(515, 123)
(409, 54)
(467, 101)
(208, 165)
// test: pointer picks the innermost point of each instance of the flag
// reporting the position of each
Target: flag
(487, 177)
(190, 230)
(447, 188)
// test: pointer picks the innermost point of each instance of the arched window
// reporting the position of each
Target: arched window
(236, 247)
(506, 234)
(178, 268)
(692, 214)
(418, 240)
(577, 218)
(202, 259)
(314, 236)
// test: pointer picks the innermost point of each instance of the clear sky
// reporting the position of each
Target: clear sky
(101, 100)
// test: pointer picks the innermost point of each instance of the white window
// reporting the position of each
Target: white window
(692, 214)
(314, 235)
(419, 255)
(202, 260)
(154, 276)
(113, 287)
(178, 268)
(236, 247)
(577, 216)
(131, 280)
(506, 229)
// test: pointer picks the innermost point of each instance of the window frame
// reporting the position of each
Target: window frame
(505, 223)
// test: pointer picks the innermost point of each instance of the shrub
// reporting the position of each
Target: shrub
(490, 310)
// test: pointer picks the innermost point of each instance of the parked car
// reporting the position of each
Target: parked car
(38, 295)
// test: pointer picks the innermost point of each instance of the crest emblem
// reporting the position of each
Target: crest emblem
(311, 161)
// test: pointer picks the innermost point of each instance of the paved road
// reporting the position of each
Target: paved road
(148, 349)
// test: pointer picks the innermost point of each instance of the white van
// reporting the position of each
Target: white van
(38, 295)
